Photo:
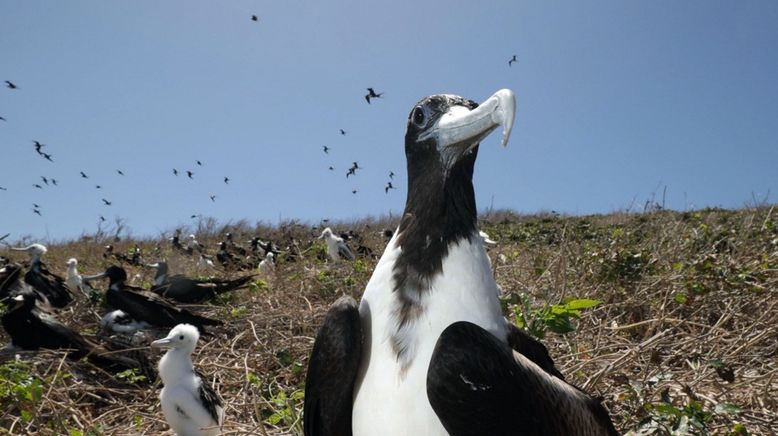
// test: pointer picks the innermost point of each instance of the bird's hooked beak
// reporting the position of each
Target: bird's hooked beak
(460, 129)
(152, 265)
(163, 343)
(94, 277)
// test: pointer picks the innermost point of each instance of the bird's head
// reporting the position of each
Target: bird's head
(72, 262)
(115, 274)
(182, 337)
(34, 250)
(444, 130)
(327, 233)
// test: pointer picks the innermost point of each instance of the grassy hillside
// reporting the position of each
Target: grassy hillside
(684, 336)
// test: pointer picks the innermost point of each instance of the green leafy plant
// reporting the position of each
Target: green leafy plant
(131, 375)
(20, 388)
(556, 318)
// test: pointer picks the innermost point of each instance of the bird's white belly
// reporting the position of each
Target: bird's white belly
(388, 400)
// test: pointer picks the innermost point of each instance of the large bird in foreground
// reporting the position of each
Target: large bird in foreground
(145, 306)
(187, 290)
(428, 351)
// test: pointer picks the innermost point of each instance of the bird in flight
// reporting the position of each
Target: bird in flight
(326, 149)
(199, 163)
(213, 198)
(54, 182)
(388, 187)
(102, 218)
(512, 60)
(37, 211)
(45, 180)
(35, 206)
(351, 171)
(372, 94)
(333, 169)
(38, 146)
(120, 172)
(83, 175)
(98, 187)
(47, 157)
(37, 186)
(254, 18)
(342, 132)
(354, 191)
(175, 172)
(226, 180)
(107, 203)
(189, 174)
(391, 175)
(3, 189)
(3, 119)
(10, 84)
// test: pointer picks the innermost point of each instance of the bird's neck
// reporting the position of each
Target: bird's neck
(175, 365)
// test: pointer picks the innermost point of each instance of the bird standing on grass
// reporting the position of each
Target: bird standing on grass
(73, 278)
(428, 350)
(190, 405)
(336, 246)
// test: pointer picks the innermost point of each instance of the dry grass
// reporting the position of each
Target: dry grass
(688, 300)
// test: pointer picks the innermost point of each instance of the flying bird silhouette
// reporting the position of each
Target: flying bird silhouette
(102, 218)
(54, 182)
(326, 149)
(372, 94)
(10, 84)
(226, 180)
(38, 146)
(98, 187)
(120, 172)
(3, 189)
(35, 205)
(45, 180)
(37, 186)
(512, 60)
(37, 212)
(83, 176)
(388, 187)
(189, 174)
(107, 203)
(47, 157)
(351, 172)
(332, 169)
(391, 175)
(354, 191)
(213, 198)
(254, 18)
(175, 172)
(199, 163)
(342, 132)
(3, 119)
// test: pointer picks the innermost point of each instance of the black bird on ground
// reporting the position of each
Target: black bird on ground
(175, 172)
(226, 180)
(83, 175)
(342, 132)
(42, 281)
(187, 290)
(38, 146)
(189, 174)
(430, 320)
(47, 157)
(512, 60)
(107, 203)
(372, 94)
(326, 149)
(32, 328)
(10, 84)
(146, 306)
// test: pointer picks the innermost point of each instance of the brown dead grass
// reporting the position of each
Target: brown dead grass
(686, 297)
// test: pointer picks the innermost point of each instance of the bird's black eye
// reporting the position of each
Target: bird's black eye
(181, 338)
(418, 116)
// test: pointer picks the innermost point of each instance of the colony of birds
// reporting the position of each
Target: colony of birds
(429, 341)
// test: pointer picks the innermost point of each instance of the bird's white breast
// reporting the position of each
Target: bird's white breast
(392, 399)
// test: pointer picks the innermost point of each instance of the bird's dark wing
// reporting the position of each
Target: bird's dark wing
(210, 399)
(155, 310)
(332, 371)
(532, 349)
(367, 97)
(477, 385)
(345, 251)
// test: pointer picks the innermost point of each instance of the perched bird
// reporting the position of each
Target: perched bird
(268, 264)
(119, 172)
(145, 306)
(83, 175)
(73, 278)
(342, 132)
(336, 246)
(254, 18)
(326, 149)
(10, 84)
(11, 283)
(205, 262)
(226, 180)
(512, 60)
(107, 203)
(189, 174)
(31, 328)
(191, 406)
(372, 94)
(192, 245)
(175, 172)
(429, 342)
(42, 281)
(187, 290)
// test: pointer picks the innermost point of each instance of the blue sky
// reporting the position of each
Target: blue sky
(615, 101)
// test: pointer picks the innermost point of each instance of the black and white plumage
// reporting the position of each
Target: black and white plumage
(146, 306)
(438, 357)
(336, 246)
(188, 290)
(120, 322)
(190, 405)
(31, 328)
(48, 284)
